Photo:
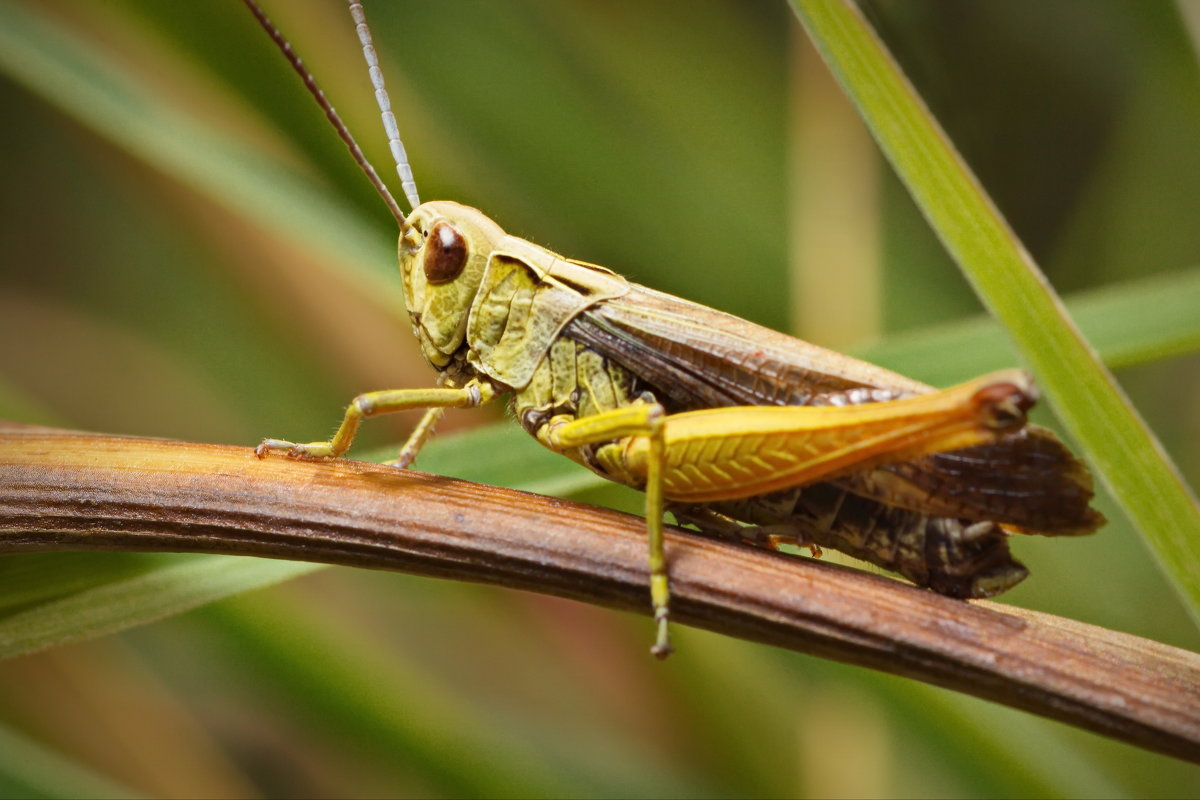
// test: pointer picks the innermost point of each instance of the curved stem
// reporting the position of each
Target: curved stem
(62, 490)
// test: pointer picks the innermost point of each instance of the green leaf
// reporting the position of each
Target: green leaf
(30, 769)
(1084, 395)
(1130, 323)
(501, 454)
(119, 591)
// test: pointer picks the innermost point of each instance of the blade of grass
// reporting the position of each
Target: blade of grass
(17, 404)
(181, 584)
(1130, 323)
(29, 769)
(501, 454)
(1094, 409)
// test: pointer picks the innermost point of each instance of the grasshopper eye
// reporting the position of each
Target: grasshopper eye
(445, 254)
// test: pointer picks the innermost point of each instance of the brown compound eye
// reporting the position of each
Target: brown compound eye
(445, 254)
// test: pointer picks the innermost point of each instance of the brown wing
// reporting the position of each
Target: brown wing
(697, 357)
(702, 358)
(1030, 482)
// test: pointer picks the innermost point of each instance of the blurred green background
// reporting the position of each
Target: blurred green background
(189, 252)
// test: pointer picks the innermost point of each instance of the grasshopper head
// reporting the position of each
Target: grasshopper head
(444, 249)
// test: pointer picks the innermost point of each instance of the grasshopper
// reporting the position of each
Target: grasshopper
(742, 431)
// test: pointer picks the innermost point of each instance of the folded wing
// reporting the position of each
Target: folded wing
(697, 357)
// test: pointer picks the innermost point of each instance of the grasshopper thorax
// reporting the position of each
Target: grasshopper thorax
(444, 251)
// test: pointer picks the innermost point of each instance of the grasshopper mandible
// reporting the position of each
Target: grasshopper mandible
(742, 431)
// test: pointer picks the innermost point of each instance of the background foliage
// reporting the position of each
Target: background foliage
(188, 252)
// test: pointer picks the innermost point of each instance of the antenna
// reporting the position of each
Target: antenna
(310, 83)
(385, 104)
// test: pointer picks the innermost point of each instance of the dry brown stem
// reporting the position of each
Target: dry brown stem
(62, 490)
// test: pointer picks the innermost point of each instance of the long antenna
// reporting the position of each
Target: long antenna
(310, 83)
(385, 104)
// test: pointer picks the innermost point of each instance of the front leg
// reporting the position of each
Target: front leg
(373, 404)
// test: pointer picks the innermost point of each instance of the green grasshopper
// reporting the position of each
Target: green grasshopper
(739, 430)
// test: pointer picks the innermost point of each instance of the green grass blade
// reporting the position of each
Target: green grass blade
(30, 769)
(501, 454)
(1130, 323)
(132, 595)
(1093, 408)
(18, 404)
